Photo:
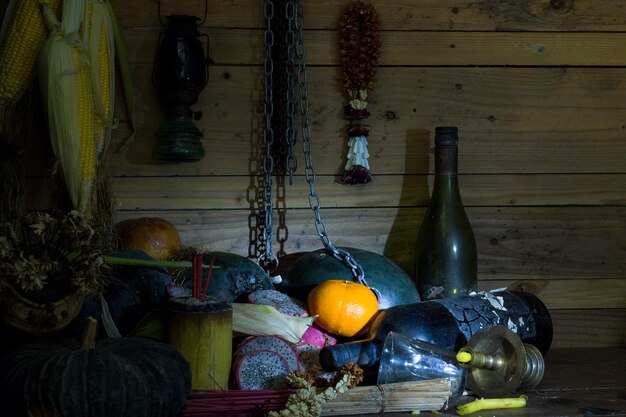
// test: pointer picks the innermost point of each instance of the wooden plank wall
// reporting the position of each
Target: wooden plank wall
(537, 88)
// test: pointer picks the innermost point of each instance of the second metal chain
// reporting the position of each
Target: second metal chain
(267, 260)
(314, 200)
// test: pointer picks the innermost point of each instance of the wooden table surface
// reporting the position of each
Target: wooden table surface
(577, 383)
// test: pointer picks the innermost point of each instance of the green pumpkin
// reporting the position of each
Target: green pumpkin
(392, 284)
(119, 377)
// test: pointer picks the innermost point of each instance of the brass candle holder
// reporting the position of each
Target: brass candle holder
(499, 363)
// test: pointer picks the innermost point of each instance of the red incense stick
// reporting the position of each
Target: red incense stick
(208, 278)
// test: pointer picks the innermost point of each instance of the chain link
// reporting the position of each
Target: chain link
(309, 172)
(290, 81)
(267, 260)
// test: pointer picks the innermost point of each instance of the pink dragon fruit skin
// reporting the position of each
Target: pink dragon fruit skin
(261, 370)
(316, 337)
(275, 344)
(281, 301)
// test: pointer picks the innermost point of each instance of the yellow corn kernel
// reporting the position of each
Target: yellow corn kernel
(105, 69)
(85, 117)
(23, 34)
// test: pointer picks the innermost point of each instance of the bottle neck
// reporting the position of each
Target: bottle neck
(446, 160)
(446, 185)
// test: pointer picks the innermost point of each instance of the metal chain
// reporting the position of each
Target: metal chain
(290, 80)
(279, 90)
(267, 260)
(314, 200)
(296, 57)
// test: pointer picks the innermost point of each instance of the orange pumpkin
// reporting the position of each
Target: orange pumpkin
(344, 307)
(154, 235)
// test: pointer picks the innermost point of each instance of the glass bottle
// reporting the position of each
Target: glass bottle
(445, 253)
(448, 323)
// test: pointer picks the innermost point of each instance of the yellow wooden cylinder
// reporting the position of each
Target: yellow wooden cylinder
(202, 332)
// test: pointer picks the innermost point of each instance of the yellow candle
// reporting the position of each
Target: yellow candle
(491, 404)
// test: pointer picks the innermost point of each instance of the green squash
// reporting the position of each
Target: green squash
(119, 377)
(393, 285)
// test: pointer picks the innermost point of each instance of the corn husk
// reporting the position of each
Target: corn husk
(58, 87)
(265, 320)
(126, 78)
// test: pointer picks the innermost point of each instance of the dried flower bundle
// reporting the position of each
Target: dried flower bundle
(359, 45)
(307, 401)
(40, 250)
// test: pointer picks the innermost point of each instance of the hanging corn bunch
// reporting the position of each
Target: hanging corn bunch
(76, 76)
(22, 35)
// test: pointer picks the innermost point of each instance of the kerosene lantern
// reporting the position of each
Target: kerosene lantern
(179, 74)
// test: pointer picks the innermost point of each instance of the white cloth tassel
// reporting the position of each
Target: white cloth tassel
(357, 153)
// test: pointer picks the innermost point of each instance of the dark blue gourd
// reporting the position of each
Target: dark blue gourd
(393, 285)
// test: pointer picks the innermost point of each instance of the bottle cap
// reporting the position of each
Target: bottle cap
(446, 136)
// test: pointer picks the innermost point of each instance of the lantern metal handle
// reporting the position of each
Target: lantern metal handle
(199, 24)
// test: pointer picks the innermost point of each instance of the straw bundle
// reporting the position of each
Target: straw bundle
(390, 398)
(375, 399)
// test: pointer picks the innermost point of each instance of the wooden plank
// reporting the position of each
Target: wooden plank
(569, 293)
(580, 15)
(566, 371)
(245, 47)
(238, 192)
(531, 243)
(528, 120)
(514, 243)
(589, 328)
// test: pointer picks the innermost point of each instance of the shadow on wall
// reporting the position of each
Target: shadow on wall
(413, 201)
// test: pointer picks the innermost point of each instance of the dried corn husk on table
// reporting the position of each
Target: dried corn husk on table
(390, 398)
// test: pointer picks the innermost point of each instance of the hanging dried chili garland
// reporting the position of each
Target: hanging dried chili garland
(359, 48)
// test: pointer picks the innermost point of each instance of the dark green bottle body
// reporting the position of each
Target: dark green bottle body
(445, 253)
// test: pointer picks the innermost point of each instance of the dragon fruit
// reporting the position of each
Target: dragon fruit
(316, 337)
(261, 370)
(281, 301)
(275, 344)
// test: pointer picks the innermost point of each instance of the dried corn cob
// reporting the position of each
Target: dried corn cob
(65, 80)
(98, 36)
(23, 33)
